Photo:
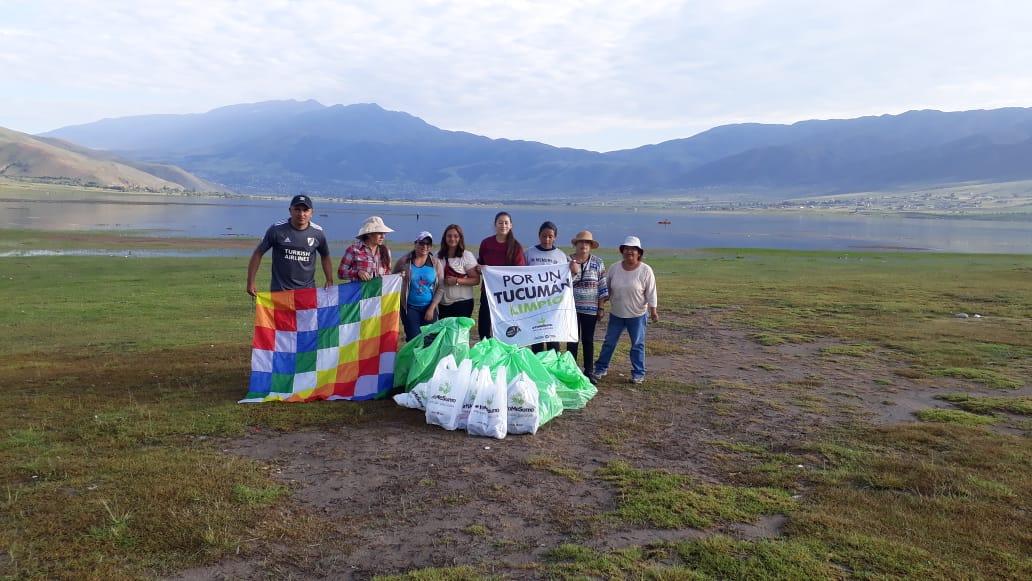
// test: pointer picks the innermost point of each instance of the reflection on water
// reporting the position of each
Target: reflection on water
(214, 217)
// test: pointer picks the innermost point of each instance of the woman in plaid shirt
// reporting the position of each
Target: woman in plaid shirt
(368, 258)
(589, 291)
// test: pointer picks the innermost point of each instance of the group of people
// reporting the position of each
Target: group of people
(440, 284)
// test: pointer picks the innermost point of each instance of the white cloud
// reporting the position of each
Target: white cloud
(602, 75)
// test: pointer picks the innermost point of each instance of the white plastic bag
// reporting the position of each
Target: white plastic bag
(447, 394)
(488, 417)
(446, 364)
(523, 399)
(471, 396)
(415, 399)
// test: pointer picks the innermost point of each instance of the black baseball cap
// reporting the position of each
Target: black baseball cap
(301, 200)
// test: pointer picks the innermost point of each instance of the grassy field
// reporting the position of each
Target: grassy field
(121, 377)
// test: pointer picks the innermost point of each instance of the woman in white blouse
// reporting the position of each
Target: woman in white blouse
(632, 292)
(460, 274)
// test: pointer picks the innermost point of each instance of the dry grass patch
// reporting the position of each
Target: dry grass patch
(715, 557)
(666, 500)
(986, 377)
(983, 405)
(954, 417)
(922, 500)
(462, 573)
(549, 464)
(771, 339)
(852, 350)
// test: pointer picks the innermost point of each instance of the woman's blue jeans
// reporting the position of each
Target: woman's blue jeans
(412, 320)
(636, 330)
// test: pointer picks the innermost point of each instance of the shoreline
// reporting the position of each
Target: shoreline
(1021, 212)
(22, 242)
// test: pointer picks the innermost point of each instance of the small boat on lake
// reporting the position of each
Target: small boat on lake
(664, 222)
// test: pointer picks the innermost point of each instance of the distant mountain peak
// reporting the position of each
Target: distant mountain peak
(359, 106)
(285, 105)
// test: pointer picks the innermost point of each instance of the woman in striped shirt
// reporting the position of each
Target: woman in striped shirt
(589, 292)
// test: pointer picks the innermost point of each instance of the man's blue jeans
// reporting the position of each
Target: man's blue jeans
(636, 330)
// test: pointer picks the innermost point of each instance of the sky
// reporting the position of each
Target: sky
(602, 75)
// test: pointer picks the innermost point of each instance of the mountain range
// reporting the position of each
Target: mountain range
(363, 149)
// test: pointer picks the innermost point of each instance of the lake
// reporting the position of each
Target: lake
(198, 216)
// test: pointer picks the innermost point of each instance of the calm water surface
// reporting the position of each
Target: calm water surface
(207, 217)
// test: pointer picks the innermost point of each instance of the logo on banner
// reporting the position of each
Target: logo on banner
(512, 331)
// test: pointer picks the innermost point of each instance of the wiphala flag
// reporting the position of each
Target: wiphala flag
(332, 343)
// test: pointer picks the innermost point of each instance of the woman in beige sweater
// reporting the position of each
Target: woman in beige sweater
(632, 292)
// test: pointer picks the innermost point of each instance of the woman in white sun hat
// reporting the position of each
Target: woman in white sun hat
(632, 292)
(368, 258)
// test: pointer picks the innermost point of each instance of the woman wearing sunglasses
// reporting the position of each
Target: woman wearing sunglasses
(423, 275)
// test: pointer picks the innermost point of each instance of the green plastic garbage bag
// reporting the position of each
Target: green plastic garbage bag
(550, 404)
(490, 352)
(416, 361)
(574, 388)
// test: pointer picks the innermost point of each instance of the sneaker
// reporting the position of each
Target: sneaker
(596, 376)
(592, 378)
(638, 380)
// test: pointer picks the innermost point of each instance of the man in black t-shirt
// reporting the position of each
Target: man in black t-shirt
(294, 243)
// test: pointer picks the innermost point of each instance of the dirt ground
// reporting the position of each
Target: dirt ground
(397, 494)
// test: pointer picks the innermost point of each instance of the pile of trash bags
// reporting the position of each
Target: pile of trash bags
(492, 389)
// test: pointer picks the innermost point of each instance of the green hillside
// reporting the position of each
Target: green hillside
(25, 157)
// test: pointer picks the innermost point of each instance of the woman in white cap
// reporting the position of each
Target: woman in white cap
(632, 290)
(589, 291)
(419, 295)
(460, 274)
(368, 258)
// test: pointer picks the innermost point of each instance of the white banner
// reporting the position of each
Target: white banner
(531, 304)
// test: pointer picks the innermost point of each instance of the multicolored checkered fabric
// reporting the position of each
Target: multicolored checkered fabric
(333, 343)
